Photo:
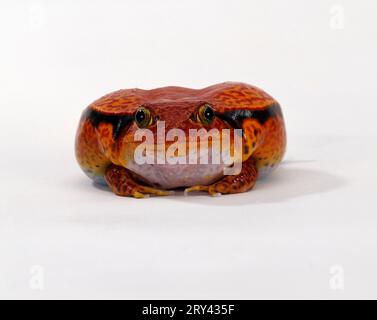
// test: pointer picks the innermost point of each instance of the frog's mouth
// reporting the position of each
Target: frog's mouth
(170, 171)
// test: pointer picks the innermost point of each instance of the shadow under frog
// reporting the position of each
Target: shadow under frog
(284, 184)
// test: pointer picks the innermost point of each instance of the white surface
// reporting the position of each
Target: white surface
(316, 214)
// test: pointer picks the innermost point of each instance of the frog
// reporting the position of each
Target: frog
(105, 143)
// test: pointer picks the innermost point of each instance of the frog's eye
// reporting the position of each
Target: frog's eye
(143, 117)
(206, 115)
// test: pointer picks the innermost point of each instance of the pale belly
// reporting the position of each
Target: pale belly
(171, 176)
(177, 172)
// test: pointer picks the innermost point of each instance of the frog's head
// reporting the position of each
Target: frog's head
(170, 141)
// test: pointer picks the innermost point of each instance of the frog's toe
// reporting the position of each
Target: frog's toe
(196, 188)
(141, 192)
(208, 189)
(139, 195)
(149, 191)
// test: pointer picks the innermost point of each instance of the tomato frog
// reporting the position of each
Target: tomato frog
(106, 144)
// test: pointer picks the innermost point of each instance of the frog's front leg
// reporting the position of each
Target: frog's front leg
(122, 183)
(242, 182)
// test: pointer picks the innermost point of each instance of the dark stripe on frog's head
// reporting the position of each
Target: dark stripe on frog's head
(119, 122)
(236, 117)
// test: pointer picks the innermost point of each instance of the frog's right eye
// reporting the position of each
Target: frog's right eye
(205, 114)
(143, 117)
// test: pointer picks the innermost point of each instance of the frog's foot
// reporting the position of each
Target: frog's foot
(122, 183)
(242, 182)
(208, 189)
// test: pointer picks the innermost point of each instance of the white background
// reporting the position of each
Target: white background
(309, 231)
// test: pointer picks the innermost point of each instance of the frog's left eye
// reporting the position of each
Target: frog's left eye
(206, 115)
(143, 117)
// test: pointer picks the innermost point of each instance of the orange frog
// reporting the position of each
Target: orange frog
(106, 143)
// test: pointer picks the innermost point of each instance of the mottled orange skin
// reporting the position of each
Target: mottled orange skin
(264, 142)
